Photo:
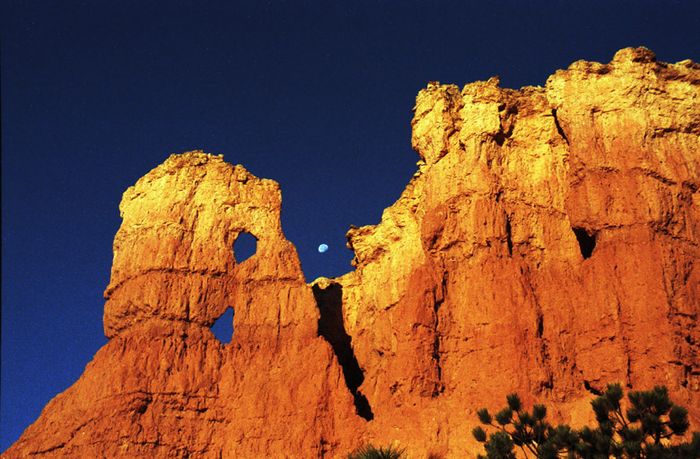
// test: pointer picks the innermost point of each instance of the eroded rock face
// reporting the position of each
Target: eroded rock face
(173, 257)
(548, 244)
(164, 386)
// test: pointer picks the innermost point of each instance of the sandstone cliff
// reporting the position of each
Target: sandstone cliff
(548, 244)
(164, 386)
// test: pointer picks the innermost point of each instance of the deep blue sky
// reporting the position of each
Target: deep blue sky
(97, 93)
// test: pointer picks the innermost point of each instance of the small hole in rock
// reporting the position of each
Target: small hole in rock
(245, 246)
(586, 241)
(223, 327)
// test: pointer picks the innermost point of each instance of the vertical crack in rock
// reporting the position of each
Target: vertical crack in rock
(437, 303)
(509, 236)
(508, 113)
(622, 334)
(559, 128)
(545, 359)
(331, 327)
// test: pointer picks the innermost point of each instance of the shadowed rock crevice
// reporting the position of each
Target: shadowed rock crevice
(587, 385)
(509, 236)
(560, 131)
(586, 241)
(331, 327)
(439, 387)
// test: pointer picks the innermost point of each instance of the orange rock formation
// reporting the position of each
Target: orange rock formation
(548, 244)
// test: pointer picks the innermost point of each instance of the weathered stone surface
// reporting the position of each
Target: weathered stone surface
(473, 285)
(164, 386)
(548, 244)
(173, 255)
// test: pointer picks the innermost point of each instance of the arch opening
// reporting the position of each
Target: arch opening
(244, 247)
(223, 326)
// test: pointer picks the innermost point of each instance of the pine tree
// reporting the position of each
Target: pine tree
(646, 430)
(651, 428)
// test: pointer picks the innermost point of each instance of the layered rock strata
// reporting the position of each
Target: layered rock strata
(548, 244)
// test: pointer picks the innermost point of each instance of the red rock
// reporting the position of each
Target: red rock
(547, 245)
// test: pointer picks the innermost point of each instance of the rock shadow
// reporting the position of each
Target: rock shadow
(586, 241)
(331, 327)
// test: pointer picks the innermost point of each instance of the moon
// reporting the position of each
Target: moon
(322, 248)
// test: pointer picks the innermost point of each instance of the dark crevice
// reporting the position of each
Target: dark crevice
(549, 383)
(324, 447)
(559, 129)
(143, 405)
(687, 372)
(331, 327)
(628, 375)
(591, 389)
(509, 236)
(436, 350)
(244, 247)
(540, 325)
(500, 138)
(437, 303)
(507, 121)
(586, 241)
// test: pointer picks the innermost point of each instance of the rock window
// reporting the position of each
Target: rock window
(244, 247)
(223, 327)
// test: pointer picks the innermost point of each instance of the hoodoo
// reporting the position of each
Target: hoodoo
(548, 244)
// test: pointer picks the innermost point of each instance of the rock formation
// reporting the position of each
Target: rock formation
(548, 244)
(164, 386)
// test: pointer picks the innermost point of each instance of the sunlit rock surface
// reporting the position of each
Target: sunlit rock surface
(548, 244)
(164, 386)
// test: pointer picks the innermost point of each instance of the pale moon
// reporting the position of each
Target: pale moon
(322, 248)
